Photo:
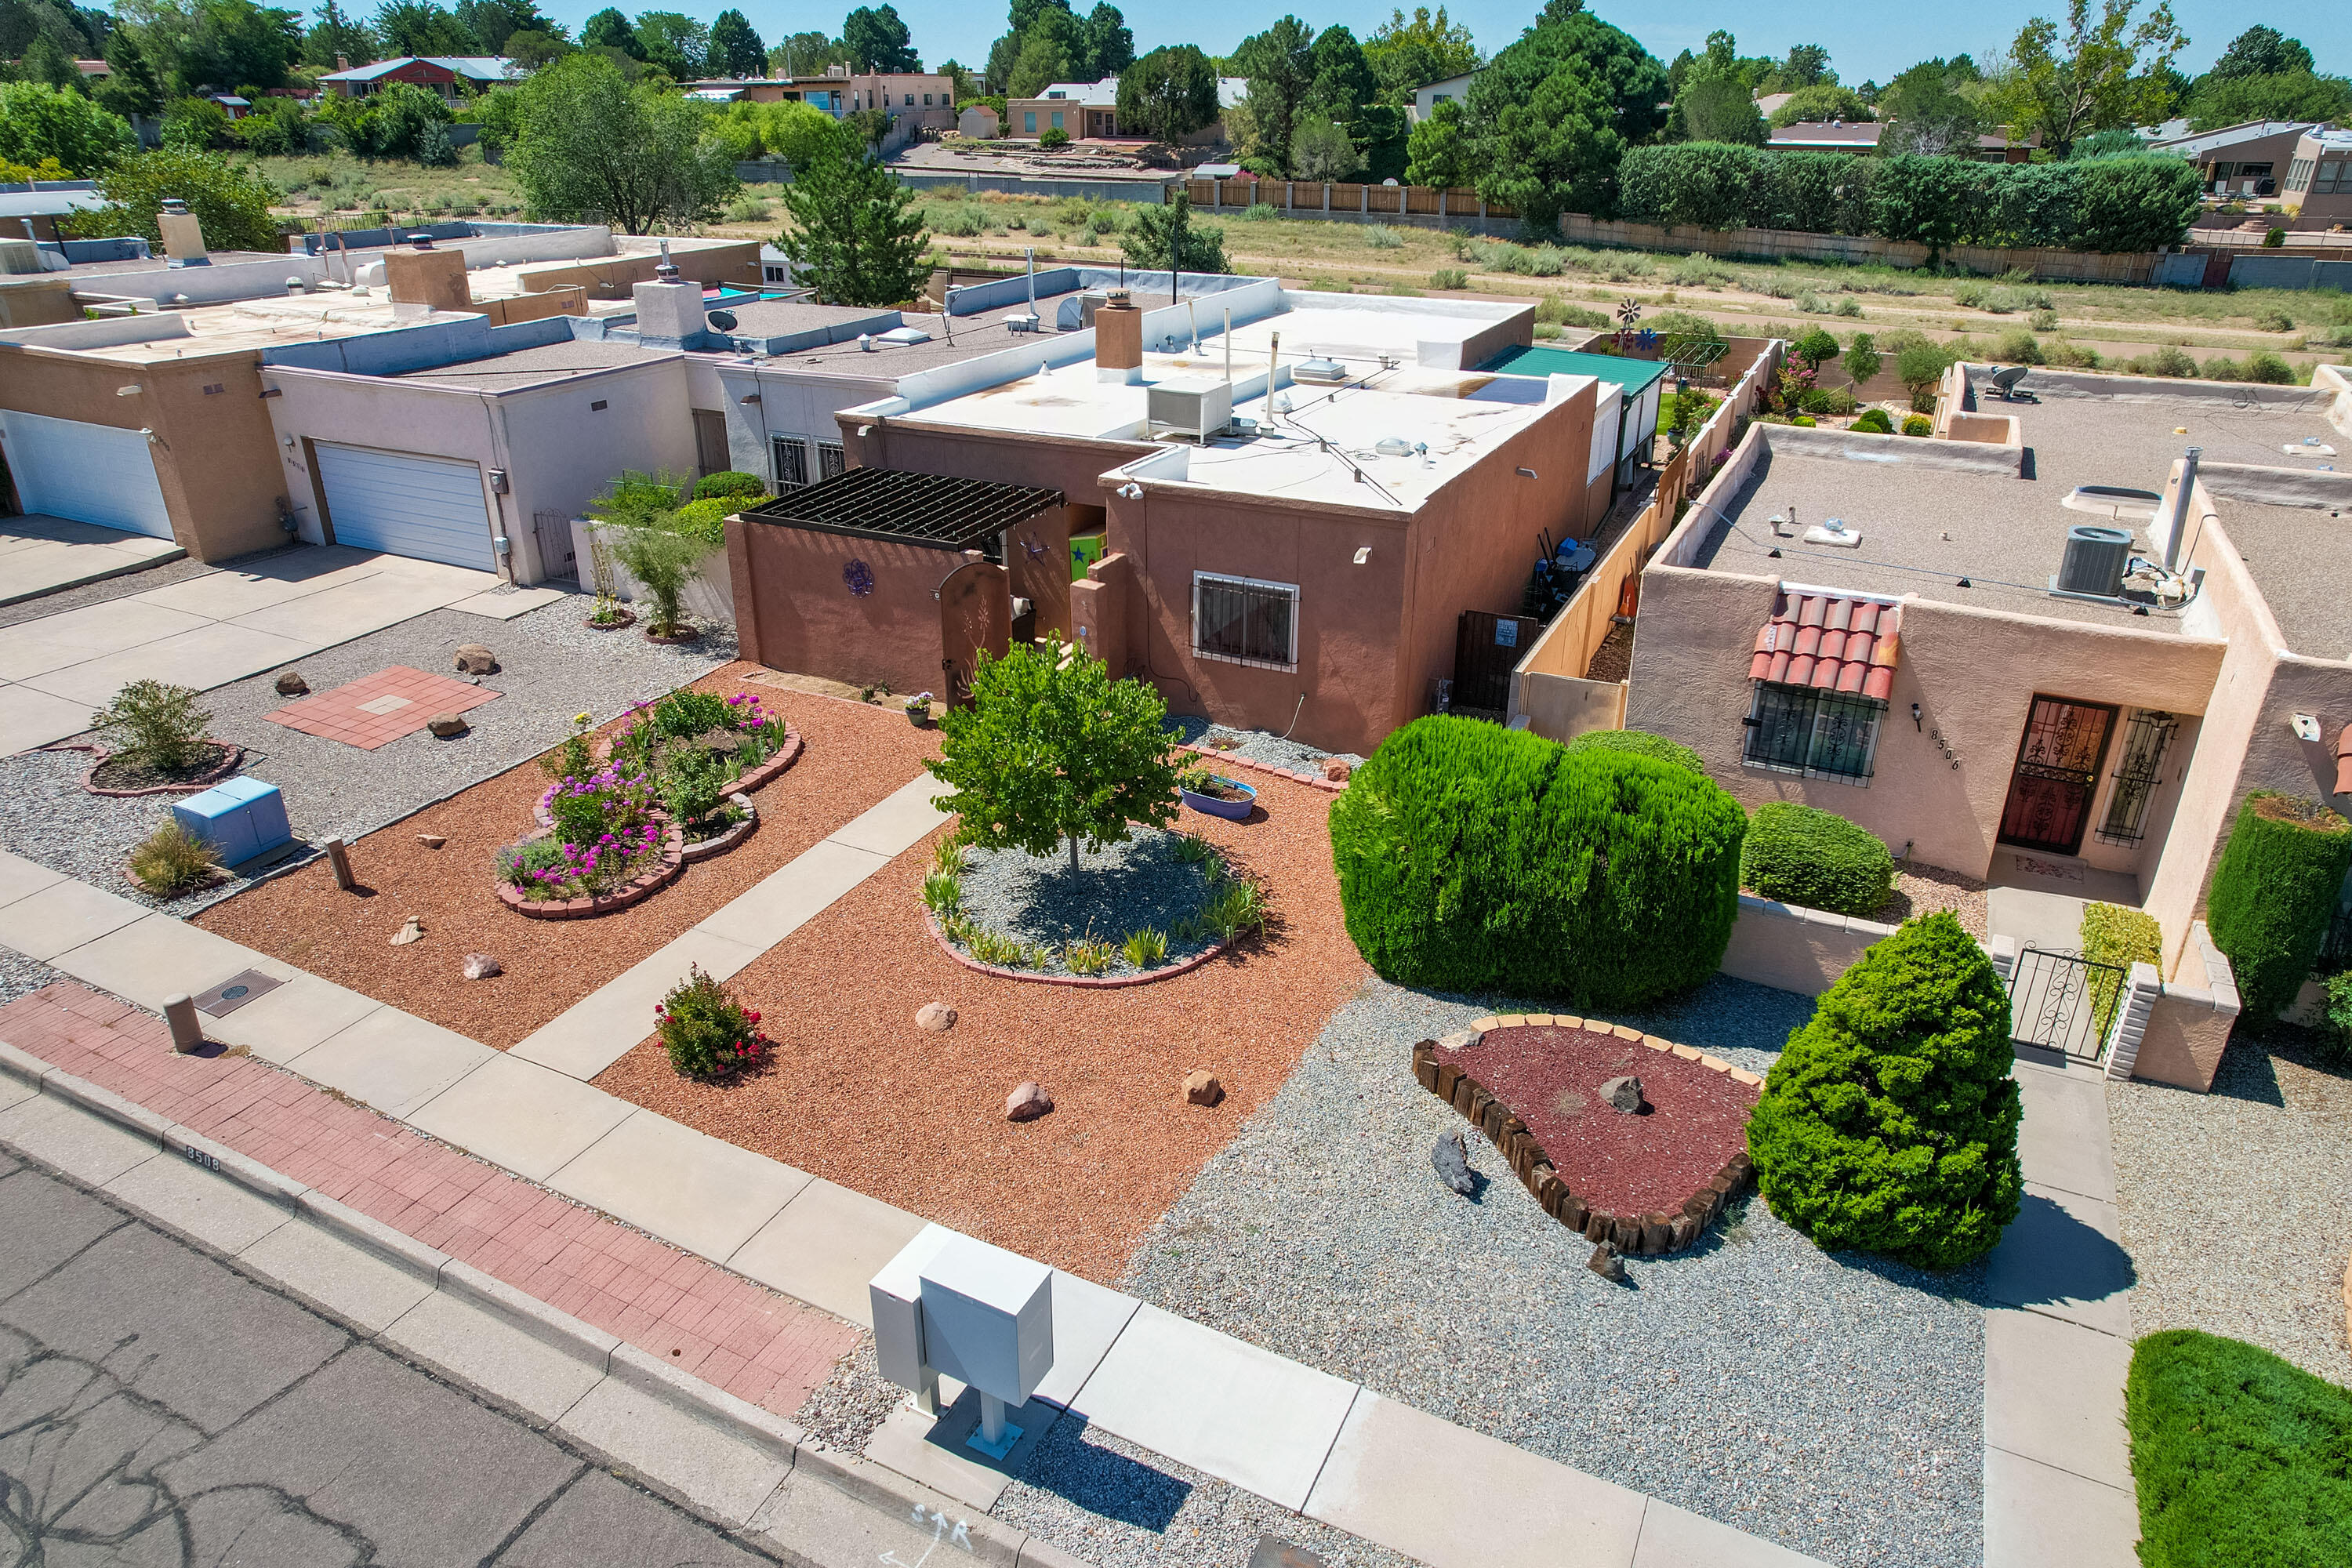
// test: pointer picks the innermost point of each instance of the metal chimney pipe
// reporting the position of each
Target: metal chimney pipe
(1272, 364)
(1229, 345)
(1031, 252)
(2181, 508)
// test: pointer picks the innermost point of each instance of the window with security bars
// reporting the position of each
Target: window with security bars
(2147, 737)
(1821, 734)
(792, 462)
(1245, 621)
(830, 460)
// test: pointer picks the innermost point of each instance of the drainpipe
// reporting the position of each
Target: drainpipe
(2180, 507)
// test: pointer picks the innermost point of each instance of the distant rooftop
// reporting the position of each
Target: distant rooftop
(535, 366)
(480, 67)
(2205, 141)
(158, 336)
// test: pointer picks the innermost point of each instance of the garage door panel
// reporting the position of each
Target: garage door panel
(98, 474)
(404, 504)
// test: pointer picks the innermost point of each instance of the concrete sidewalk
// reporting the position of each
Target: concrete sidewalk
(2058, 1482)
(222, 627)
(1310, 1442)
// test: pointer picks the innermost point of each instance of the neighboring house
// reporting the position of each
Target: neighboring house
(2318, 185)
(1452, 89)
(1863, 136)
(923, 99)
(451, 76)
(2240, 161)
(1768, 104)
(237, 108)
(1085, 110)
(2092, 683)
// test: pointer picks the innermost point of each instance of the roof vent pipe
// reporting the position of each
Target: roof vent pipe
(2181, 509)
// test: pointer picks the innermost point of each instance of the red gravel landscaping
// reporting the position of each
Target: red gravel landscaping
(1550, 1077)
(854, 756)
(860, 1095)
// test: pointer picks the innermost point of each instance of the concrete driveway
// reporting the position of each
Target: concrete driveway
(222, 627)
(43, 554)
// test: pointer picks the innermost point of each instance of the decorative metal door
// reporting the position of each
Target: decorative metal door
(2057, 772)
(2064, 1002)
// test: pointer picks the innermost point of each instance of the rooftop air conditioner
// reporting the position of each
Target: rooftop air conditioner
(2093, 566)
(1193, 409)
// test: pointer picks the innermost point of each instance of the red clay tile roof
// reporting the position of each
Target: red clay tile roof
(1830, 643)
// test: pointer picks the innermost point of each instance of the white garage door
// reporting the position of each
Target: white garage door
(403, 504)
(91, 473)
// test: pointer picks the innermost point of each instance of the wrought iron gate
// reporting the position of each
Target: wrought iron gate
(2064, 1002)
(1487, 648)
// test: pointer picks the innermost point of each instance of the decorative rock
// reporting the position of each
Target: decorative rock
(1606, 1263)
(1623, 1094)
(1451, 1158)
(936, 1017)
(473, 658)
(481, 966)
(1460, 1039)
(431, 840)
(446, 725)
(1027, 1103)
(413, 931)
(1337, 769)
(290, 684)
(1201, 1087)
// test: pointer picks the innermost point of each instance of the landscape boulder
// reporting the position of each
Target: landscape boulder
(446, 725)
(936, 1017)
(1201, 1087)
(1623, 1094)
(431, 840)
(1606, 1262)
(291, 684)
(413, 930)
(481, 966)
(1027, 1103)
(1337, 769)
(1451, 1157)
(473, 658)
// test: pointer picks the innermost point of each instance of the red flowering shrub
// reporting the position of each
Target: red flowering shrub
(707, 1032)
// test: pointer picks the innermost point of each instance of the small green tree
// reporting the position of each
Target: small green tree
(1815, 347)
(858, 234)
(38, 121)
(1919, 368)
(1320, 149)
(231, 203)
(662, 558)
(1862, 359)
(1889, 1124)
(594, 147)
(1050, 747)
(1169, 93)
(1163, 235)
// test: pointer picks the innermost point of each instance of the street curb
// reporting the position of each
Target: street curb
(995, 1542)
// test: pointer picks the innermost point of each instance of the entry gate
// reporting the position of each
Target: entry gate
(1487, 648)
(2064, 1002)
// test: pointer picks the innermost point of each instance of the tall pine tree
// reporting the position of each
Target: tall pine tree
(856, 234)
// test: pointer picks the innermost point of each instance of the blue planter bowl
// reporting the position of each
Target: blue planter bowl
(1231, 810)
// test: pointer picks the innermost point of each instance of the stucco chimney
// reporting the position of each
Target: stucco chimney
(342, 62)
(1118, 339)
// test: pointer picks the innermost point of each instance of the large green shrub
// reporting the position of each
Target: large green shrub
(1639, 743)
(1799, 854)
(1889, 1124)
(2273, 893)
(1477, 858)
(729, 483)
(2239, 1457)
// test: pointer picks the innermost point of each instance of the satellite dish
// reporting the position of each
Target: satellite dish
(723, 321)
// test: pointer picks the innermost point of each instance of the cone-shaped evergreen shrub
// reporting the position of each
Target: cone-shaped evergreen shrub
(2273, 893)
(1472, 857)
(1889, 1124)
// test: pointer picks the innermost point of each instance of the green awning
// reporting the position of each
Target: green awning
(1635, 376)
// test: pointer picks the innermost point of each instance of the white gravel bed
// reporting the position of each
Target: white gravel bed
(2234, 1203)
(551, 667)
(1259, 745)
(1127, 887)
(1832, 1404)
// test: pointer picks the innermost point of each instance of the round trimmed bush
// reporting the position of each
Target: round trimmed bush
(1874, 422)
(1798, 854)
(729, 482)
(1639, 743)
(2273, 893)
(1472, 857)
(1889, 1124)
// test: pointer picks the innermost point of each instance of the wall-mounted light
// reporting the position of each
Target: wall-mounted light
(1915, 724)
(1530, 473)
(2306, 727)
(273, 392)
(1363, 555)
(129, 391)
(1131, 490)
(289, 442)
(749, 397)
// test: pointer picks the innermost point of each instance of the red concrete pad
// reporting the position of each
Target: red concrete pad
(377, 709)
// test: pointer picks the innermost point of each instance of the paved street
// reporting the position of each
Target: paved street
(158, 1408)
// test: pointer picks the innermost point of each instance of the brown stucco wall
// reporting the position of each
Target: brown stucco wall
(1792, 948)
(794, 609)
(1973, 672)
(214, 453)
(613, 277)
(1100, 605)
(1039, 567)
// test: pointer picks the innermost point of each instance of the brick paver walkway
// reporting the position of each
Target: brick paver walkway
(751, 1341)
(377, 709)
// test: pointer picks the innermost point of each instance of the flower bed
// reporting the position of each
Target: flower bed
(701, 751)
(607, 845)
(1649, 1182)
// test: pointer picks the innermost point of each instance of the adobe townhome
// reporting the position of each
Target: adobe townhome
(2049, 647)
(1288, 501)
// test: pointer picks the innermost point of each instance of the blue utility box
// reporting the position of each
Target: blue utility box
(240, 819)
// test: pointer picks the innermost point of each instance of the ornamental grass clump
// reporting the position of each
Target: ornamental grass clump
(170, 861)
(1477, 858)
(2273, 892)
(708, 1033)
(1889, 1124)
(1800, 855)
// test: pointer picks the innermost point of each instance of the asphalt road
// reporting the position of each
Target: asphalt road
(158, 1408)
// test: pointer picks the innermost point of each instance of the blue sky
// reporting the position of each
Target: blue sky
(1866, 40)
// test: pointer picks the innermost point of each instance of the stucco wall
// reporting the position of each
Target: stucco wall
(795, 609)
(212, 449)
(1792, 948)
(2188, 1027)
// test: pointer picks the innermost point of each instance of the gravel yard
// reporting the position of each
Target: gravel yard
(1039, 902)
(551, 667)
(1922, 889)
(1258, 745)
(854, 755)
(860, 1095)
(1830, 1404)
(2199, 1177)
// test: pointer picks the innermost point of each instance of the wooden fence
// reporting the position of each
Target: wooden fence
(1335, 199)
(1548, 687)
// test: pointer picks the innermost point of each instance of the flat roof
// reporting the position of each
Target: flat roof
(1633, 375)
(934, 510)
(245, 324)
(982, 333)
(533, 367)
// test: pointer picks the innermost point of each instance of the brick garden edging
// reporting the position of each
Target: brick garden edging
(1088, 982)
(232, 759)
(746, 781)
(712, 847)
(1648, 1233)
(637, 889)
(1329, 787)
